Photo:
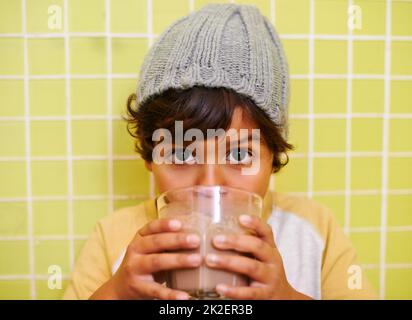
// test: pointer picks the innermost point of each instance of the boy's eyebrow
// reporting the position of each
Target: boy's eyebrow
(249, 137)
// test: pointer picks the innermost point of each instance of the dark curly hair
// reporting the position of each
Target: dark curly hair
(203, 108)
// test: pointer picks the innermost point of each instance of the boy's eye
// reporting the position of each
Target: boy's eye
(182, 156)
(240, 156)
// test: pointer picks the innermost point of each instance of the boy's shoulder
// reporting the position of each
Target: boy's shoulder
(133, 215)
(299, 204)
(118, 228)
(307, 210)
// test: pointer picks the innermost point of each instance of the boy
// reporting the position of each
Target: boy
(222, 67)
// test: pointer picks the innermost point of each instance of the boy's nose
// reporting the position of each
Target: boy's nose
(210, 175)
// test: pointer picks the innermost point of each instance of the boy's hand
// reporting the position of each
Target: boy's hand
(135, 277)
(268, 278)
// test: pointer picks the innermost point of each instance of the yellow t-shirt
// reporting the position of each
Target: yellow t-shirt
(318, 258)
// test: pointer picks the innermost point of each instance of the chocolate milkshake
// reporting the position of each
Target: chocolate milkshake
(201, 282)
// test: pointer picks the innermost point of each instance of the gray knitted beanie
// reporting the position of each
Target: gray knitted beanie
(220, 45)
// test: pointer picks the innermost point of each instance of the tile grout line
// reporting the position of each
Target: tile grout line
(356, 192)
(123, 76)
(56, 237)
(272, 6)
(28, 155)
(320, 154)
(77, 158)
(291, 116)
(385, 138)
(109, 107)
(80, 198)
(292, 36)
(348, 129)
(149, 4)
(357, 76)
(43, 238)
(70, 216)
(311, 97)
(352, 115)
(360, 192)
(143, 197)
(368, 266)
(353, 154)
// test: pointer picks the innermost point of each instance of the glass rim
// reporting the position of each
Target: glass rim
(210, 187)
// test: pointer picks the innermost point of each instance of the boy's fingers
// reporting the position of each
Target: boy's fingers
(246, 243)
(154, 290)
(167, 241)
(262, 229)
(160, 225)
(151, 263)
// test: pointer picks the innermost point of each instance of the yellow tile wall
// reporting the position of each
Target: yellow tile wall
(350, 111)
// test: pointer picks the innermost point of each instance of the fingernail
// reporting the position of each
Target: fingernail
(175, 224)
(220, 239)
(182, 296)
(194, 259)
(212, 258)
(245, 219)
(192, 239)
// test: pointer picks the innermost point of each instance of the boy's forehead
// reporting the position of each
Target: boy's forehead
(240, 120)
